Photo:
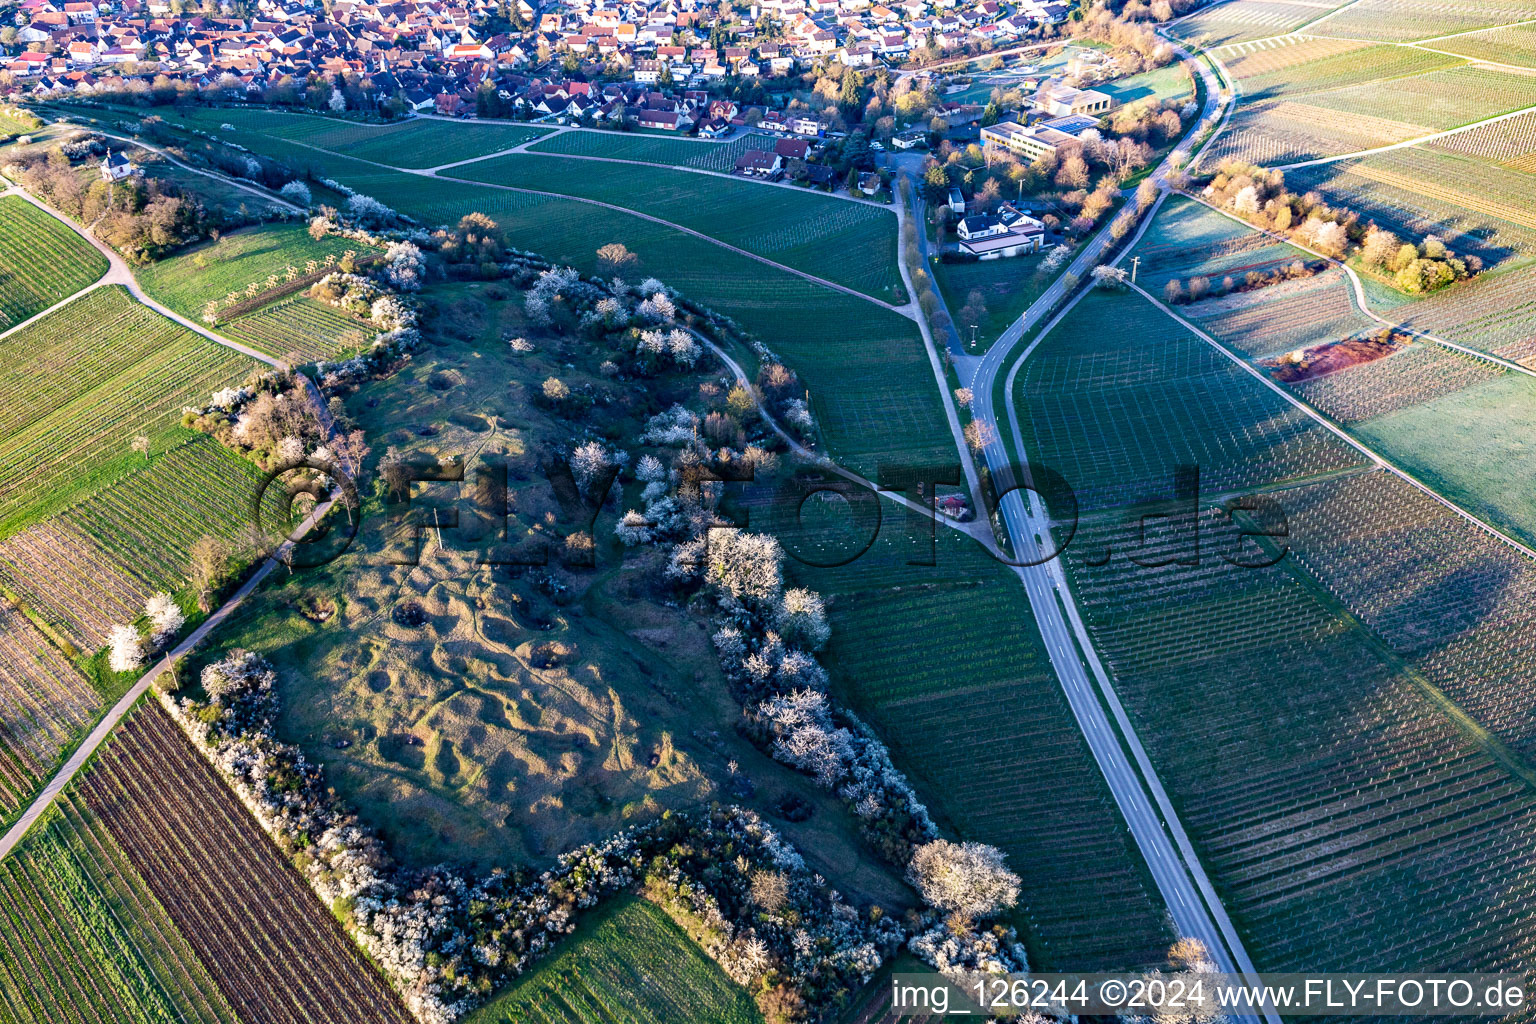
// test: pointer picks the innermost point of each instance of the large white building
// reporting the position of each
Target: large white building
(1030, 143)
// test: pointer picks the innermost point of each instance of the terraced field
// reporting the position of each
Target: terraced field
(709, 156)
(273, 950)
(1282, 318)
(1237, 22)
(1449, 598)
(79, 385)
(83, 938)
(1337, 69)
(45, 704)
(1403, 20)
(1512, 44)
(1119, 395)
(10, 126)
(1496, 313)
(1417, 374)
(1438, 101)
(626, 963)
(851, 243)
(41, 261)
(299, 330)
(1188, 238)
(1511, 143)
(1286, 131)
(1247, 60)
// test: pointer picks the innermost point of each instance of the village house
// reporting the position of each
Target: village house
(760, 163)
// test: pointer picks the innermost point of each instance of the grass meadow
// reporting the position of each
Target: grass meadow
(190, 279)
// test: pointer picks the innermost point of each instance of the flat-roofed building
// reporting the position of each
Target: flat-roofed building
(1030, 143)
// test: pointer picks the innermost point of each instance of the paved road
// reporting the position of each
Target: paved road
(1180, 877)
(119, 274)
(104, 728)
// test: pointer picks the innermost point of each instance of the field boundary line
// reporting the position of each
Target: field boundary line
(109, 722)
(1337, 430)
(977, 529)
(900, 310)
(1469, 32)
(1524, 69)
(1407, 143)
(53, 308)
(520, 151)
(121, 274)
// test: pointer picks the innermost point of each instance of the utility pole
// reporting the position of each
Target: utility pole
(1135, 262)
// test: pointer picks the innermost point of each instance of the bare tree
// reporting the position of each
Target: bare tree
(207, 566)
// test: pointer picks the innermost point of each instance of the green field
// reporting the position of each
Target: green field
(1008, 286)
(187, 281)
(1340, 69)
(626, 963)
(863, 364)
(1474, 446)
(82, 937)
(946, 662)
(418, 143)
(1171, 83)
(853, 244)
(79, 385)
(41, 261)
(709, 156)
(298, 330)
